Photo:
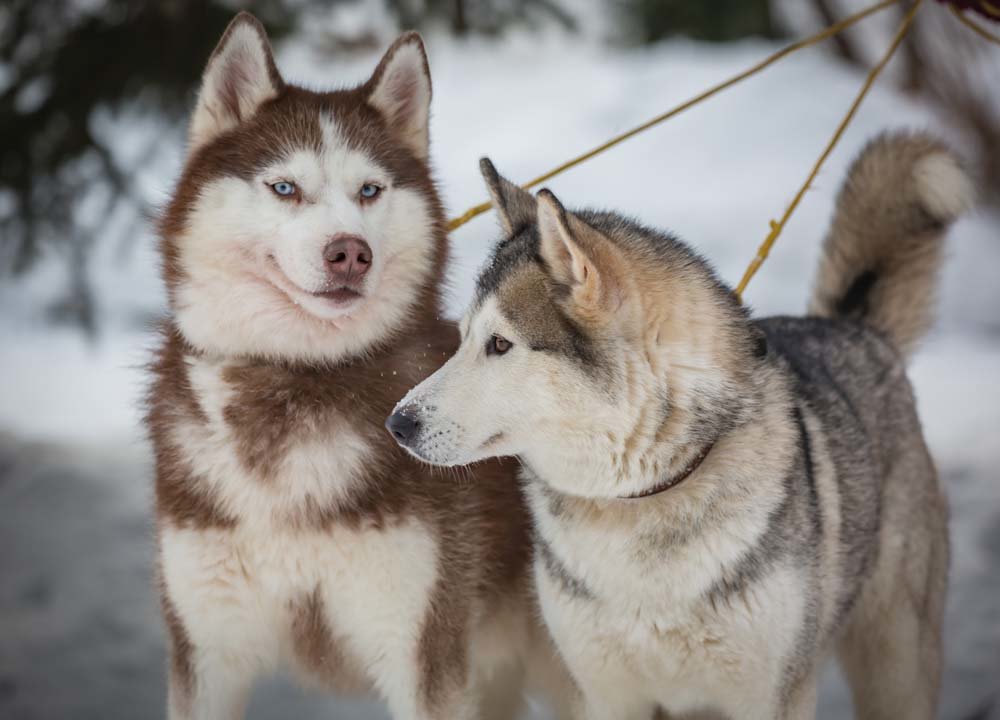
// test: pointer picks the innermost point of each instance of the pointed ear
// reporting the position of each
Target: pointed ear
(567, 261)
(239, 78)
(515, 206)
(576, 256)
(400, 89)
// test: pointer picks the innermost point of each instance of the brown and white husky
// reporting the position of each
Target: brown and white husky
(303, 252)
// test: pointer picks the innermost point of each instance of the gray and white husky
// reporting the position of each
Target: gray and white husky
(719, 501)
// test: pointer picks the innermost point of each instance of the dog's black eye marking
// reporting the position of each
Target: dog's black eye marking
(497, 345)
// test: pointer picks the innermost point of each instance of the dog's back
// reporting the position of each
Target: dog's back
(872, 303)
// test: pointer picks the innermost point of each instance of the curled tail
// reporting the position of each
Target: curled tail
(881, 256)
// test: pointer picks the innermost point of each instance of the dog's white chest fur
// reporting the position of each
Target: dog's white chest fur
(246, 587)
(631, 616)
(321, 466)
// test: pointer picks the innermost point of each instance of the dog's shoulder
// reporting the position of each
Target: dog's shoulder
(838, 364)
(811, 343)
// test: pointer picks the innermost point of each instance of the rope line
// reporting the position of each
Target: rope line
(476, 210)
(777, 227)
(983, 32)
(991, 9)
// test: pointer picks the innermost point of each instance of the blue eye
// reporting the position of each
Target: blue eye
(369, 191)
(283, 188)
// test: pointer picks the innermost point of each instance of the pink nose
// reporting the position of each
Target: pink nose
(347, 258)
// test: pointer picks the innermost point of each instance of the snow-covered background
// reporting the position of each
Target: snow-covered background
(80, 634)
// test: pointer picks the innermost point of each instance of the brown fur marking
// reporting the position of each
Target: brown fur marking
(499, 517)
(171, 401)
(481, 528)
(181, 649)
(318, 647)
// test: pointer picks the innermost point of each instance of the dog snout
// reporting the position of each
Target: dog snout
(347, 259)
(402, 426)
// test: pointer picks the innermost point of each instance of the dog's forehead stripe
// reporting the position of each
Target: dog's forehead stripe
(290, 123)
(301, 120)
(508, 255)
(515, 275)
(525, 299)
(522, 298)
(273, 134)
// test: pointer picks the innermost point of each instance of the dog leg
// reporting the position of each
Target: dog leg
(219, 641)
(501, 695)
(408, 701)
(892, 661)
(598, 707)
(891, 651)
(801, 701)
(456, 708)
(215, 690)
(546, 676)
(564, 702)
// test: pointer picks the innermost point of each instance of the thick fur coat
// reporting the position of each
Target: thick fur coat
(719, 501)
(303, 252)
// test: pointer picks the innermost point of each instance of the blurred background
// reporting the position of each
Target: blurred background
(94, 96)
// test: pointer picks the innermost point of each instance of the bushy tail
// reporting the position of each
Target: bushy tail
(881, 256)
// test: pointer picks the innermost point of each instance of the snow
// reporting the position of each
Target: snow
(81, 632)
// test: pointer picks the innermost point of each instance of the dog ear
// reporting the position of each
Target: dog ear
(239, 78)
(400, 89)
(515, 206)
(566, 259)
(577, 256)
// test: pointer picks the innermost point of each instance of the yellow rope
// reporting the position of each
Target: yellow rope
(983, 32)
(777, 227)
(787, 50)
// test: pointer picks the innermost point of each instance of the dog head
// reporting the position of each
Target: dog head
(305, 225)
(595, 349)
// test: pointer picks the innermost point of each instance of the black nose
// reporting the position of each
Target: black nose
(403, 427)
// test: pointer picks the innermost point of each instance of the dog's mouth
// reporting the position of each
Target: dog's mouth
(340, 297)
(344, 297)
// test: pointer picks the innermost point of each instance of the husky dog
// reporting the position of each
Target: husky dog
(303, 252)
(718, 500)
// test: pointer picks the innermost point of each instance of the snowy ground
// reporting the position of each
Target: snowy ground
(80, 632)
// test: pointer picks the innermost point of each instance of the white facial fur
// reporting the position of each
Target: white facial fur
(612, 424)
(251, 263)
(468, 403)
(252, 260)
(536, 405)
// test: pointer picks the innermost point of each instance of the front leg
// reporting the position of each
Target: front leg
(801, 701)
(220, 640)
(212, 692)
(608, 689)
(458, 705)
(417, 690)
(431, 681)
(766, 698)
(596, 708)
(202, 685)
